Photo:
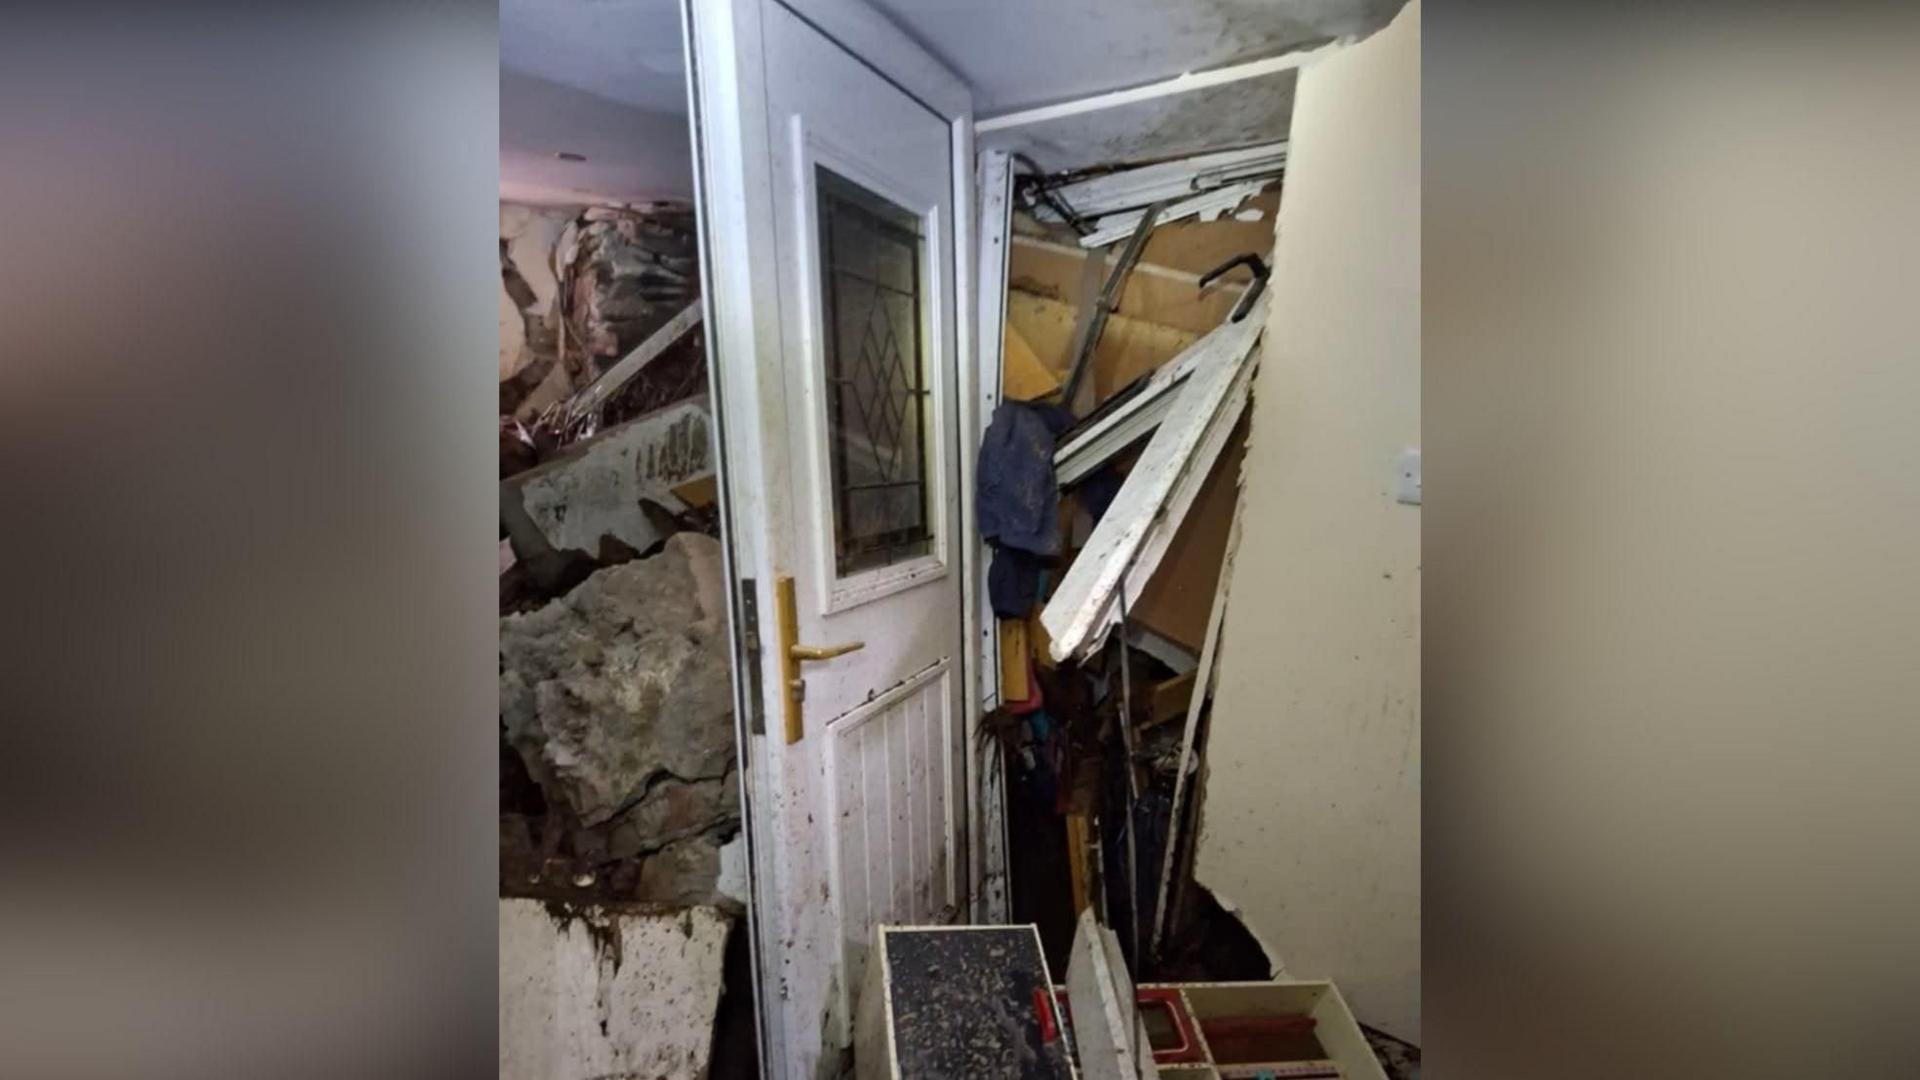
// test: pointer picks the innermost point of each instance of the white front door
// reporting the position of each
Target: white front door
(829, 192)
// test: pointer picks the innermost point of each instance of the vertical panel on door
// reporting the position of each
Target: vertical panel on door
(892, 833)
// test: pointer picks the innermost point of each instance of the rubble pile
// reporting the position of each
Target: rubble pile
(578, 292)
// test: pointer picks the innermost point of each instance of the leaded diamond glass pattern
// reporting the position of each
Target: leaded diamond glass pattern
(876, 376)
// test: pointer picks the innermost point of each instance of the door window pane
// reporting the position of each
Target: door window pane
(876, 376)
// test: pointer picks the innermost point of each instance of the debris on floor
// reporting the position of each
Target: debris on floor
(1102, 733)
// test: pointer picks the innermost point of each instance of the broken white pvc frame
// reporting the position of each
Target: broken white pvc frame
(1204, 185)
(1128, 543)
(1086, 451)
(1207, 207)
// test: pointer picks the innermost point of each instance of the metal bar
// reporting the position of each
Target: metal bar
(1109, 296)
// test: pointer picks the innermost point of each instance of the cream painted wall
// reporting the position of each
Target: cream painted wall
(1311, 824)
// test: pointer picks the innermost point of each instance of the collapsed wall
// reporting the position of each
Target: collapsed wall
(580, 288)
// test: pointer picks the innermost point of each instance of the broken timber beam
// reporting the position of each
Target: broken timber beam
(1128, 542)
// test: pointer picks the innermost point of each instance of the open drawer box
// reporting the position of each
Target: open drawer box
(1287, 1030)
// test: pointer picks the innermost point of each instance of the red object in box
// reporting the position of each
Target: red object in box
(1169, 999)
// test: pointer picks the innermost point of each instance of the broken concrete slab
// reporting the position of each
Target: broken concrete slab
(619, 692)
(599, 991)
(595, 487)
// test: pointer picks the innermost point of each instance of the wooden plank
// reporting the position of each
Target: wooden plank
(1178, 506)
(1025, 378)
(1186, 442)
(1015, 685)
(1077, 873)
(1038, 641)
(1169, 699)
(703, 491)
(1177, 598)
(1155, 294)
(1128, 348)
(1198, 246)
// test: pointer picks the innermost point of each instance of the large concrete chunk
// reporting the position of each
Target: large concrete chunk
(600, 991)
(617, 696)
(595, 488)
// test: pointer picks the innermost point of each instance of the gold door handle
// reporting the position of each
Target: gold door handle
(792, 653)
(824, 652)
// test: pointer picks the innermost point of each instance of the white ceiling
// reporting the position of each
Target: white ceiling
(633, 155)
(626, 50)
(1017, 54)
(601, 78)
(605, 78)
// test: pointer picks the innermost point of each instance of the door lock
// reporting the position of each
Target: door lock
(792, 653)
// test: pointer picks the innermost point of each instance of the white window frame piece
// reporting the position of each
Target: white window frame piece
(1087, 451)
(1130, 189)
(1208, 206)
(1131, 538)
(988, 843)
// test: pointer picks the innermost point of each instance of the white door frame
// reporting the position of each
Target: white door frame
(735, 205)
